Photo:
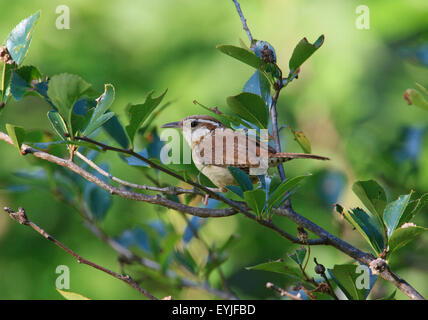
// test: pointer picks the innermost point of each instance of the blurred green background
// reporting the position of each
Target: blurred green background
(348, 100)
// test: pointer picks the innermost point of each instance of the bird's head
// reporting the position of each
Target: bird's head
(196, 127)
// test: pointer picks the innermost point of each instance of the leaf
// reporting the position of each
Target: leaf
(403, 235)
(17, 134)
(97, 200)
(243, 55)
(241, 178)
(301, 139)
(345, 276)
(413, 96)
(138, 113)
(64, 91)
(256, 200)
(372, 195)
(298, 256)
(250, 107)
(413, 208)
(393, 212)
(115, 129)
(58, 124)
(279, 192)
(18, 41)
(23, 81)
(233, 239)
(71, 295)
(390, 296)
(99, 115)
(5, 81)
(368, 226)
(278, 266)
(236, 190)
(258, 84)
(303, 51)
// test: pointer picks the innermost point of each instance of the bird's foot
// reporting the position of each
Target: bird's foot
(207, 196)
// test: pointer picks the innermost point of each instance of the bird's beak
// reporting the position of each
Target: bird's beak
(172, 125)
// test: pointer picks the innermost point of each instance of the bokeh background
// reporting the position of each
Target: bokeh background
(348, 100)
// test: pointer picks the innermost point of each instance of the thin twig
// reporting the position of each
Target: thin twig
(244, 21)
(21, 217)
(283, 292)
(165, 190)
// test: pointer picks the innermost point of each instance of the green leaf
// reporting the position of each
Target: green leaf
(413, 208)
(71, 295)
(99, 115)
(413, 96)
(64, 91)
(58, 124)
(372, 196)
(243, 55)
(236, 190)
(224, 118)
(138, 113)
(5, 81)
(403, 235)
(256, 200)
(394, 211)
(97, 200)
(241, 178)
(17, 134)
(368, 225)
(302, 140)
(345, 276)
(18, 41)
(278, 266)
(22, 81)
(115, 129)
(233, 239)
(279, 193)
(250, 107)
(259, 84)
(390, 296)
(303, 51)
(298, 256)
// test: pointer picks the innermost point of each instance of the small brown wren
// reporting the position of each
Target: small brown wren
(216, 147)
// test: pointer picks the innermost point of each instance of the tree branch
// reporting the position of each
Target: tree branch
(244, 21)
(21, 217)
(325, 237)
(283, 292)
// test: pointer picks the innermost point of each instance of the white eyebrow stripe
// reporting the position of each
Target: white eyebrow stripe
(208, 121)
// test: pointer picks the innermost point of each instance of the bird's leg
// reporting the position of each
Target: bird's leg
(207, 196)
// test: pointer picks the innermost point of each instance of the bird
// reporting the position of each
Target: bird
(216, 147)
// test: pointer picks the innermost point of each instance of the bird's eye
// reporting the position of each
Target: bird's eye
(194, 123)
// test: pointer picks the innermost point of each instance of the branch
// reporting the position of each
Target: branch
(244, 21)
(166, 190)
(235, 205)
(282, 292)
(21, 217)
(325, 237)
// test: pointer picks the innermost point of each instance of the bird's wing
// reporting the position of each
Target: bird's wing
(229, 148)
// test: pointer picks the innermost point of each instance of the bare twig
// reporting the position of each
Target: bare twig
(283, 292)
(21, 217)
(165, 190)
(244, 21)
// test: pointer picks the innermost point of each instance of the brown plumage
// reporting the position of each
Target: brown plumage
(216, 147)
